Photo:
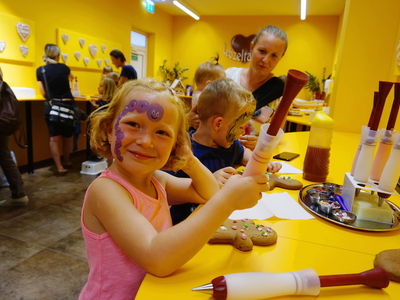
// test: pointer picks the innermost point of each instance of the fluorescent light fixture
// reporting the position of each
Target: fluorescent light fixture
(186, 10)
(303, 9)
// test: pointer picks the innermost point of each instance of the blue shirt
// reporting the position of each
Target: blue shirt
(216, 158)
(129, 72)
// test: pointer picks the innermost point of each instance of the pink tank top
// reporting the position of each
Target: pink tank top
(112, 274)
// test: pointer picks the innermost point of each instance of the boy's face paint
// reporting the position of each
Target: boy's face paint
(154, 113)
(236, 129)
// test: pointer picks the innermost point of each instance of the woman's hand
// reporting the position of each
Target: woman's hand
(248, 141)
(222, 175)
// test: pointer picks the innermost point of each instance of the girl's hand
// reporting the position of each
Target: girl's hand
(248, 141)
(222, 175)
(244, 191)
(274, 167)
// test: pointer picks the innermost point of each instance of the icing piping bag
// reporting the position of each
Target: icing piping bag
(271, 134)
(244, 286)
(386, 143)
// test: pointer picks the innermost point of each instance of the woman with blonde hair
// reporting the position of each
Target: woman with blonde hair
(53, 80)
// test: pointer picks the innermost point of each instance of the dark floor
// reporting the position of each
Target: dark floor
(42, 254)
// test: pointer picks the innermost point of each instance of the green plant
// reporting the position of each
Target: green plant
(314, 85)
(170, 74)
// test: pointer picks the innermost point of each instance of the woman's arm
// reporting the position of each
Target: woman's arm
(200, 187)
(41, 89)
(161, 253)
(122, 80)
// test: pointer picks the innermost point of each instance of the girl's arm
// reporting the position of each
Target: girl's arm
(200, 187)
(161, 253)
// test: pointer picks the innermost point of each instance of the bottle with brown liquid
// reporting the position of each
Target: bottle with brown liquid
(316, 162)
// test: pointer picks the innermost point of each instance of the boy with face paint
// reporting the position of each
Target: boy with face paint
(224, 108)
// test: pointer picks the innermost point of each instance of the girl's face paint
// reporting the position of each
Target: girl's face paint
(154, 112)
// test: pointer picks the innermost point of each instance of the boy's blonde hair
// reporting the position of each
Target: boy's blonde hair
(101, 121)
(109, 88)
(223, 97)
(208, 71)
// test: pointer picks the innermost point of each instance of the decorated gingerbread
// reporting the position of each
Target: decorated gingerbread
(243, 234)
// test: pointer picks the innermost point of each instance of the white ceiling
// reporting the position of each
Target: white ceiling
(253, 7)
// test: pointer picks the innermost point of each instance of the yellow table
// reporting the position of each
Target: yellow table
(317, 244)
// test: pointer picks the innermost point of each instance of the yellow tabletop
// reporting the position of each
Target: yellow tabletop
(318, 244)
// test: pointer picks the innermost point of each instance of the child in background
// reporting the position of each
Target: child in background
(106, 89)
(207, 72)
(125, 220)
(114, 76)
(107, 70)
(224, 108)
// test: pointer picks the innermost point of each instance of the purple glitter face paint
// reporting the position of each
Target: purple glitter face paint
(154, 112)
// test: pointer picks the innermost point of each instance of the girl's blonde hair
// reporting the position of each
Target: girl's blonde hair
(109, 88)
(101, 121)
(223, 97)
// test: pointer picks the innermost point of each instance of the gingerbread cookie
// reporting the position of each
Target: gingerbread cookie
(243, 234)
(284, 182)
(389, 260)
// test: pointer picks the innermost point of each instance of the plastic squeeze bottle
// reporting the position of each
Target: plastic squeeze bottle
(316, 162)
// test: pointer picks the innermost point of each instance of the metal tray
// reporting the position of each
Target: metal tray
(358, 224)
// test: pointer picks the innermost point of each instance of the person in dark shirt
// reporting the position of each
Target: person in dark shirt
(224, 107)
(53, 80)
(127, 72)
(267, 49)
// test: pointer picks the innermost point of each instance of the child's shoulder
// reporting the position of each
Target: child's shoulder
(104, 188)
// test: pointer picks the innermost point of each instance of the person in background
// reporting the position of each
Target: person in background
(267, 49)
(125, 220)
(57, 76)
(205, 73)
(10, 169)
(107, 70)
(127, 72)
(106, 89)
(114, 76)
(224, 107)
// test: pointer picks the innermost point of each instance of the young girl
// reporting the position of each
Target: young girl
(106, 89)
(125, 218)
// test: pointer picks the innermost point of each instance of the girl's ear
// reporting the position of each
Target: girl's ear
(109, 131)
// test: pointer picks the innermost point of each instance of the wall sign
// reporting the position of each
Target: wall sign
(241, 48)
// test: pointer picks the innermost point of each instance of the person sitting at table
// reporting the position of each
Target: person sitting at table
(106, 89)
(205, 73)
(127, 72)
(224, 107)
(53, 80)
(125, 220)
(267, 49)
(107, 70)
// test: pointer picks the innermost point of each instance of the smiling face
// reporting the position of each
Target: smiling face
(144, 132)
(266, 53)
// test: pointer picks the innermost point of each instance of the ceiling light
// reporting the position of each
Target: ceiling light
(303, 9)
(186, 10)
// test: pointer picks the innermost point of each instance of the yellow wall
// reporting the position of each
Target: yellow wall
(103, 19)
(311, 43)
(368, 39)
